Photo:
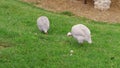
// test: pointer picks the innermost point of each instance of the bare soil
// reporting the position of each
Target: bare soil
(3, 45)
(78, 8)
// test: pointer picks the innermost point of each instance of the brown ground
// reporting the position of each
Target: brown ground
(80, 9)
(3, 45)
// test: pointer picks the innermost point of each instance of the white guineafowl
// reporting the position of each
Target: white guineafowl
(43, 24)
(81, 33)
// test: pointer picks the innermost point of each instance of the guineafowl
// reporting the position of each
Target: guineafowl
(81, 33)
(43, 24)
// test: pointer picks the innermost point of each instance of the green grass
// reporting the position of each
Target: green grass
(68, 13)
(22, 45)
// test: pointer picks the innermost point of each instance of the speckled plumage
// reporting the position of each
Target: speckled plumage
(43, 24)
(81, 33)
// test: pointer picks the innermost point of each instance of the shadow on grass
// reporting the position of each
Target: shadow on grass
(76, 45)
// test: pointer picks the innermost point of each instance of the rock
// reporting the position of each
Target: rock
(102, 4)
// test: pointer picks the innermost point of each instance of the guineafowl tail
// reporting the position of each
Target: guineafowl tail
(90, 41)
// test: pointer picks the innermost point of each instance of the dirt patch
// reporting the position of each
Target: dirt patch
(4, 45)
(78, 8)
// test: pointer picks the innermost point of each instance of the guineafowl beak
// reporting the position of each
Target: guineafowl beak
(46, 32)
(69, 34)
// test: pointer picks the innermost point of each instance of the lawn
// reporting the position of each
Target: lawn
(22, 45)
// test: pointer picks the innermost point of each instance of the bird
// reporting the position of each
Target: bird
(81, 33)
(43, 24)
